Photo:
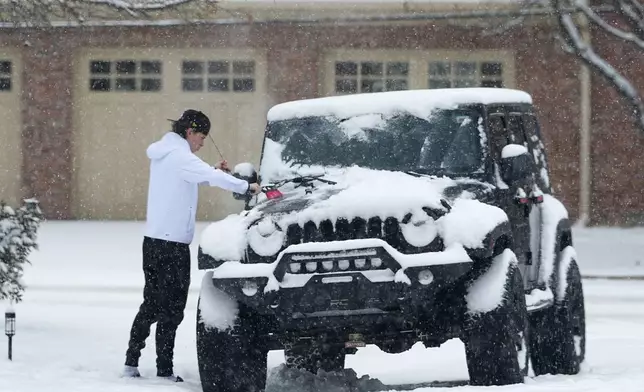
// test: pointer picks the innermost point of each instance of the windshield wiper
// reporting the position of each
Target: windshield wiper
(302, 181)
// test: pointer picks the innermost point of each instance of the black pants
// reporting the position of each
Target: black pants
(166, 266)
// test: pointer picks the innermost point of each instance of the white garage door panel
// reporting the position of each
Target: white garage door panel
(112, 168)
(10, 128)
(237, 130)
(113, 129)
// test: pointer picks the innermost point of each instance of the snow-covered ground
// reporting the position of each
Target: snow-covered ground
(85, 287)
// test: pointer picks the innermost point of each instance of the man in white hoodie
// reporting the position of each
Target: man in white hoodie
(175, 174)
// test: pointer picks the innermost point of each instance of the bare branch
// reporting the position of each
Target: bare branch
(634, 13)
(585, 52)
(47, 12)
(625, 35)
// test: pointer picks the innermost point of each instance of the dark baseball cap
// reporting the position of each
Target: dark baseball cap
(194, 119)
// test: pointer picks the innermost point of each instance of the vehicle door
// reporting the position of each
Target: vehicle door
(506, 127)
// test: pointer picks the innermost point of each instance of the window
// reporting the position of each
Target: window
(125, 75)
(515, 128)
(5, 75)
(446, 74)
(370, 76)
(218, 76)
(498, 135)
(537, 148)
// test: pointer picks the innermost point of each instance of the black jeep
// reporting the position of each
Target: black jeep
(388, 219)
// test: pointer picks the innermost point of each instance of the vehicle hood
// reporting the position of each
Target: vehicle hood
(365, 193)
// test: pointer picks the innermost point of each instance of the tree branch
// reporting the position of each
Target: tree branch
(602, 67)
(634, 13)
(625, 35)
(44, 12)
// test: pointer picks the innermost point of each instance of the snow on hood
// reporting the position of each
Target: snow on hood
(365, 193)
(361, 193)
(168, 143)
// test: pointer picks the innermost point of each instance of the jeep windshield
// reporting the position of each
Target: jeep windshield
(448, 142)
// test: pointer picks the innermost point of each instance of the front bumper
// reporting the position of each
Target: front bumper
(353, 279)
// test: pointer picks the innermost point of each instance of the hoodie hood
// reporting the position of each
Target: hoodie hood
(168, 143)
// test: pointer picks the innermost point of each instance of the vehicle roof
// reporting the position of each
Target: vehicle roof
(417, 102)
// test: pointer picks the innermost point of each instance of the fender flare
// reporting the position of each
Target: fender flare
(500, 233)
(563, 238)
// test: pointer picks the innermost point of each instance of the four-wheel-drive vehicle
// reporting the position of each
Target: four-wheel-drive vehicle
(388, 219)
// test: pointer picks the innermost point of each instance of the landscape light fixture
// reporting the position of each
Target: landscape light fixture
(10, 327)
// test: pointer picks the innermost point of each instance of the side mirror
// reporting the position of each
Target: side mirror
(245, 171)
(516, 163)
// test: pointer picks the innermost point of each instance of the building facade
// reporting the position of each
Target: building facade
(79, 105)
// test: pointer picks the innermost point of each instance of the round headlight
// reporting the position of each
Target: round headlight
(266, 238)
(420, 230)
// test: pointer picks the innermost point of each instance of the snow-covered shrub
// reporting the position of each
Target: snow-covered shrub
(18, 231)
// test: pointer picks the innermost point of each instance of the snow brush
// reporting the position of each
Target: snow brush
(218, 150)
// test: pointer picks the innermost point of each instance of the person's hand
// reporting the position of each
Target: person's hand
(254, 188)
(223, 165)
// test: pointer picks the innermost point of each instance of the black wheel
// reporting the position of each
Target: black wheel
(558, 338)
(232, 360)
(327, 357)
(496, 346)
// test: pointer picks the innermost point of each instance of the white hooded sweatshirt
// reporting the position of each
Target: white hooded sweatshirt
(175, 174)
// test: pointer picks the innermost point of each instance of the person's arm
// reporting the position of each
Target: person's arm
(192, 169)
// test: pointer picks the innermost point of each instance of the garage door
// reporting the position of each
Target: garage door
(10, 127)
(123, 100)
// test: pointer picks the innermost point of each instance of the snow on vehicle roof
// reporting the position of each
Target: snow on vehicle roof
(417, 102)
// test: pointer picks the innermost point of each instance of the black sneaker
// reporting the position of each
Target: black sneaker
(173, 378)
(130, 371)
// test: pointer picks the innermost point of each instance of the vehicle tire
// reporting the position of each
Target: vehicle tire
(232, 360)
(496, 346)
(329, 358)
(558, 338)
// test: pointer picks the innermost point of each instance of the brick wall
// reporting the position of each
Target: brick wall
(294, 53)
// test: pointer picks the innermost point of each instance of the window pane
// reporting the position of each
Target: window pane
(464, 83)
(396, 84)
(125, 67)
(243, 85)
(516, 129)
(99, 84)
(5, 67)
(192, 84)
(491, 69)
(346, 68)
(492, 83)
(150, 84)
(5, 84)
(125, 84)
(218, 85)
(218, 67)
(193, 67)
(439, 68)
(150, 67)
(498, 136)
(465, 68)
(99, 67)
(371, 86)
(398, 69)
(346, 86)
(371, 68)
(439, 83)
(243, 67)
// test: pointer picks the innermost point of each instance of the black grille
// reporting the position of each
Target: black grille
(358, 228)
